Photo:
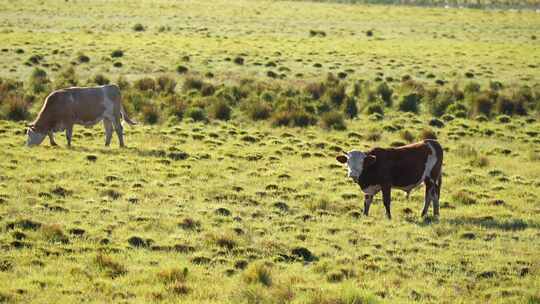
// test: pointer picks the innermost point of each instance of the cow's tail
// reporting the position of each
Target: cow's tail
(126, 117)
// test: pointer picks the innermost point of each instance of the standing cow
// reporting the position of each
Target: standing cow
(404, 168)
(84, 106)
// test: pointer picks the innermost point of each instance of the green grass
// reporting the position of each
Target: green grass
(144, 225)
(206, 36)
(212, 210)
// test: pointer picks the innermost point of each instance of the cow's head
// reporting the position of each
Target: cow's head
(34, 137)
(356, 163)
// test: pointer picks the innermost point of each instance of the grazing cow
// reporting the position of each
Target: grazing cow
(84, 106)
(403, 167)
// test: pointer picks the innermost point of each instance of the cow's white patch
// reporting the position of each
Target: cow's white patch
(372, 189)
(355, 164)
(430, 163)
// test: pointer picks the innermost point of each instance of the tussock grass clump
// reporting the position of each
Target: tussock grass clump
(333, 121)
(39, 81)
(220, 110)
(66, 78)
(138, 27)
(410, 103)
(373, 108)
(181, 69)
(294, 118)
(374, 134)
(100, 79)
(166, 84)
(427, 134)
(259, 110)
(54, 233)
(258, 273)
(173, 275)
(145, 84)
(112, 268)
(482, 104)
(151, 114)
(14, 107)
(385, 92)
(407, 135)
(117, 53)
(196, 113)
(351, 107)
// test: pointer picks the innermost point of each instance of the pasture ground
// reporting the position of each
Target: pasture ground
(242, 212)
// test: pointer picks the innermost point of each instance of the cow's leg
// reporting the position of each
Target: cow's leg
(428, 197)
(51, 139)
(69, 134)
(387, 198)
(108, 131)
(119, 130)
(368, 198)
(436, 196)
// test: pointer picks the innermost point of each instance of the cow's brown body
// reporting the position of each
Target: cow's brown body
(404, 168)
(84, 106)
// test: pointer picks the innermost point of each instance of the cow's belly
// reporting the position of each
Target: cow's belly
(89, 123)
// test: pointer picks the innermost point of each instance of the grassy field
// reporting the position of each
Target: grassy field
(216, 198)
(301, 40)
(232, 209)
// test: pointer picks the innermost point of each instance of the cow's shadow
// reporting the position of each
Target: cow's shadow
(486, 222)
(490, 222)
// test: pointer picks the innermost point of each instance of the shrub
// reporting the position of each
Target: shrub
(351, 109)
(333, 120)
(374, 134)
(407, 136)
(82, 58)
(117, 53)
(181, 69)
(39, 81)
(220, 110)
(336, 94)
(15, 108)
(436, 123)
(259, 110)
(192, 83)
(145, 84)
(122, 83)
(375, 108)
(173, 275)
(385, 92)
(482, 104)
(99, 79)
(66, 78)
(316, 89)
(239, 60)
(440, 103)
(301, 118)
(139, 27)
(150, 114)
(281, 118)
(177, 106)
(410, 103)
(472, 88)
(166, 84)
(196, 113)
(503, 118)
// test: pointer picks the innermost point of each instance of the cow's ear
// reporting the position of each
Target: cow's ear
(369, 160)
(341, 158)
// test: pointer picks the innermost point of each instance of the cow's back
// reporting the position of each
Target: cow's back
(87, 104)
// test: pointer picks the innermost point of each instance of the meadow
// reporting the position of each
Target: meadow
(229, 191)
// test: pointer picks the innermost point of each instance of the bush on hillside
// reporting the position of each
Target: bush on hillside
(409, 103)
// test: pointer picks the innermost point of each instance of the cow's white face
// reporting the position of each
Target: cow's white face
(355, 163)
(34, 138)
